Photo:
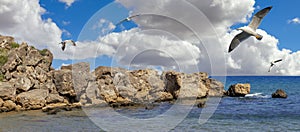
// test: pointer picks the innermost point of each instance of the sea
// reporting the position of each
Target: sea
(258, 111)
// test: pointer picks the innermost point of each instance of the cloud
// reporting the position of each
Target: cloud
(22, 20)
(294, 21)
(252, 57)
(104, 26)
(67, 2)
(166, 38)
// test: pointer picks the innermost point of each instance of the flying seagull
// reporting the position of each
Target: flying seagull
(250, 30)
(128, 19)
(67, 42)
(273, 63)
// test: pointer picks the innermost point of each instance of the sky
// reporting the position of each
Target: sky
(182, 35)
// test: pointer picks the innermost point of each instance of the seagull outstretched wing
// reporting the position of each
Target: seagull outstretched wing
(256, 20)
(277, 60)
(63, 46)
(273, 63)
(127, 19)
(237, 40)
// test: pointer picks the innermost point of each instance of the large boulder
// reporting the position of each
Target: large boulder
(279, 94)
(8, 106)
(33, 99)
(7, 91)
(215, 88)
(191, 85)
(64, 82)
(238, 90)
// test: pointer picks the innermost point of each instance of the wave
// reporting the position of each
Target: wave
(257, 95)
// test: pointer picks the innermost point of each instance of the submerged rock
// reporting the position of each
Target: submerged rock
(238, 90)
(279, 94)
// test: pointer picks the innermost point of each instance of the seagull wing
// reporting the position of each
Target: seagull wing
(124, 20)
(133, 16)
(256, 20)
(270, 69)
(127, 19)
(237, 40)
(74, 44)
(63, 46)
(271, 65)
(277, 60)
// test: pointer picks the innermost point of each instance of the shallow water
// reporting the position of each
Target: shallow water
(255, 112)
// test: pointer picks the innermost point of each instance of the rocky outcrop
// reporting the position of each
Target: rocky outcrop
(238, 90)
(279, 94)
(28, 82)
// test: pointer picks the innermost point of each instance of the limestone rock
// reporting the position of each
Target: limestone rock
(1, 102)
(33, 99)
(279, 94)
(93, 94)
(8, 106)
(54, 98)
(33, 57)
(81, 77)
(187, 85)
(63, 82)
(7, 91)
(238, 90)
(215, 88)
(13, 61)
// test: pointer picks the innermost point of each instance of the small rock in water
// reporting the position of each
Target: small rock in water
(238, 90)
(279, 94)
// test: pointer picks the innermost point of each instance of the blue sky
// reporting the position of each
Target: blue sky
(76, 19)
(277, 24)
(73, 19)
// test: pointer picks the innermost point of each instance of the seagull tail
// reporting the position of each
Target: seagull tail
(259, 37)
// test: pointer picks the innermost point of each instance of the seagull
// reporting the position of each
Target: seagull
(66, 42)
(128, 19)
(273, 63)
(250, 30)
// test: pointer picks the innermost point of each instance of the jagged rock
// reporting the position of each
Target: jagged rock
(81, 76)
(33, 57)
(8, 106)
(63, 82)
(1, 102)
(7, 91)
(54, 108)
(33, 99)
(187, 85)
(46, 61)
(215, 88)
(5, 41)
(13, 61)
(93, 94)
(172, 82)
(54, 98)
(279, 94)
(22, 83)
(238, 90)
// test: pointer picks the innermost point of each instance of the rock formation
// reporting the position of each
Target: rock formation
(279, 94)
(28, 82)
(238, 90)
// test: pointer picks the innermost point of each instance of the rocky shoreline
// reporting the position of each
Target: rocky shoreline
(28, 82)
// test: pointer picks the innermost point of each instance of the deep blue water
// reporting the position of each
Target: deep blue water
(256, 112)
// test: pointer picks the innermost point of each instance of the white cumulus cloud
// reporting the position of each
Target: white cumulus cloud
(22, 20)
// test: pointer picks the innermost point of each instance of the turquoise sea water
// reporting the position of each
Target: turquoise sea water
(255, 112)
